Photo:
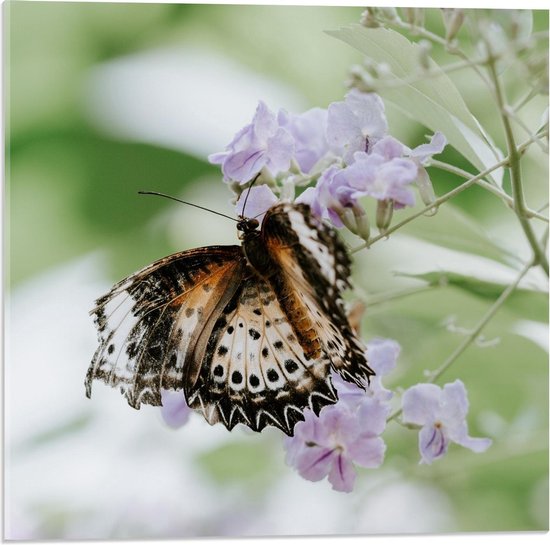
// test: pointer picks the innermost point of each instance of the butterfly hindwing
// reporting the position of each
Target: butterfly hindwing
(149, 323)
(255, 371)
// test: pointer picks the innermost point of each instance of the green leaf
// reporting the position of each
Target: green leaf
(433, 101)
(455, 230)
(528, 303)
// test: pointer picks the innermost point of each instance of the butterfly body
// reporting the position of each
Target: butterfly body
(249, 333)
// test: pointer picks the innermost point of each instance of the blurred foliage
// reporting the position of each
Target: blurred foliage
(72, 190)
(529, 304)
(74, 181)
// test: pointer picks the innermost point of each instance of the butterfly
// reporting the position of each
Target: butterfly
(250, 333)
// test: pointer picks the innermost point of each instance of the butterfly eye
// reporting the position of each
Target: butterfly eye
(247, 225)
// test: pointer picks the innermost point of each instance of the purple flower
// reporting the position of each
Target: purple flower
(390, 148)
(330, 444)
(174, 410)
(309, 133)
(329, 198)
(261, 144)
(356, 124)
(260, 199)
(441, 413)
(382, 179)
(382, 356)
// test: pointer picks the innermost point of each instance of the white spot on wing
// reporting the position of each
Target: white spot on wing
(309, 239)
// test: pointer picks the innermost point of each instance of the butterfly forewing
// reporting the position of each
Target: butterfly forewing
(148, 323)
(316, 268)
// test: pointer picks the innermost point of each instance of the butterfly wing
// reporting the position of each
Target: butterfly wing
(151, 323)
(254, 370)
(315, 270)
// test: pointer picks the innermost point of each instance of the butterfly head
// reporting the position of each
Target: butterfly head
(247, 226)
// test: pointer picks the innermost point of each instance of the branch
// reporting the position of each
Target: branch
(515, 173)
(474, 333)
(486, 185)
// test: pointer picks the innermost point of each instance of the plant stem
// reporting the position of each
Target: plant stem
(441, 41)
(481, 324)
(515, 173)
(485, 185)
(423, 76)
(515, 117)
(474, 333)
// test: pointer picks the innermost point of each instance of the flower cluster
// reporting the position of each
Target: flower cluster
(348, 432)
(343, 153)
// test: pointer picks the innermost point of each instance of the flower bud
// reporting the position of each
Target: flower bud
(425, 187)
(368, 18)
(453, 19)
(494, 41)
(520, 25)
(383, 70)
(389, 12)
(288, 189)
(362, 222)
(361, 80)
(415, 16)
(384, 213)
(348, 219)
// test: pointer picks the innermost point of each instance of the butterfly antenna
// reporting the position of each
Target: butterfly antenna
(248, 193)
(185, 202)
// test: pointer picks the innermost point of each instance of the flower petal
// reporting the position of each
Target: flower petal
(382, 355)
(432, 443)
(460, 436)
(367, 451)
(342, 125)
(342, 474)
(243, 165)
(421, 404)
(264, 122)
(372, 416)
(388, 147)
(260, 200)
(309, 132)
(279, 152)
(454, 402)
(348, 392)
(174, 409)
(315, 463)
(425, 151)
(369, 111)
